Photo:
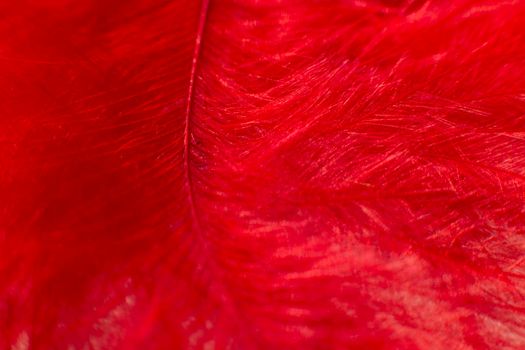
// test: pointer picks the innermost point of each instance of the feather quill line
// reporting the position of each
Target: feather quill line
(189, 108)
(229, 303)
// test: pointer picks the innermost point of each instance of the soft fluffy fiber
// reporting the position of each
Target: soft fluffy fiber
(262, 174)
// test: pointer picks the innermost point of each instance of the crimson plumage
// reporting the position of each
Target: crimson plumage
(247, 174)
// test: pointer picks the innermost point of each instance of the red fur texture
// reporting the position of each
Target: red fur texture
(262, 174)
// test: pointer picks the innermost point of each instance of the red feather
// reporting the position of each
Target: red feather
(246, 174)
